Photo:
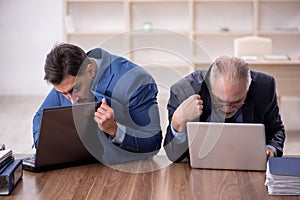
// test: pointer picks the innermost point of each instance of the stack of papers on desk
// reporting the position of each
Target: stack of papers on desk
(283, 176)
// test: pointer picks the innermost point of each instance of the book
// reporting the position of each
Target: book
(5, 163)
(10, 176)
(5, 157)
(283, 176)
(4, 154)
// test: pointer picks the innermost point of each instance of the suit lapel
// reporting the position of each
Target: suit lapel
(104, 74)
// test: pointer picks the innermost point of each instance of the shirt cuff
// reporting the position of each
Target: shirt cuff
(273, 149)
(120, 134)
(179, 137)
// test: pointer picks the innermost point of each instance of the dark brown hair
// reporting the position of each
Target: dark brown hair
(64, 59)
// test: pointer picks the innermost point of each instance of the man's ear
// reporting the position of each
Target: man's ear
(91, 70)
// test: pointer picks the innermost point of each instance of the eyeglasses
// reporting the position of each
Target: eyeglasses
(217, 101)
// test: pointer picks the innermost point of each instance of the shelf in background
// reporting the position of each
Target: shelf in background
(222, 33)
(208, 25)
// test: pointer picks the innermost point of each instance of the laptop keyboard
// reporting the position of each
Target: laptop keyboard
(29, 160)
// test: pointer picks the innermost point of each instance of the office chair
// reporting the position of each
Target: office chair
(252, 46)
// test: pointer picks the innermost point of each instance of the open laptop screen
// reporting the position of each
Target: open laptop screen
(60, 138)
(235, 146)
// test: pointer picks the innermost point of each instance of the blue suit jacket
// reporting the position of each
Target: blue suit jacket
(131, 92)
(260, 107)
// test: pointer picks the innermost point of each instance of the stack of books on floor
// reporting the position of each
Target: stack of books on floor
(11, 171)
(283, 176)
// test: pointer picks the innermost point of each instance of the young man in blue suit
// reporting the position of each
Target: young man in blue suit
(127, 119)
(227, 92)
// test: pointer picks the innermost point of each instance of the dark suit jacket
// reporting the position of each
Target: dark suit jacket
(260, 107)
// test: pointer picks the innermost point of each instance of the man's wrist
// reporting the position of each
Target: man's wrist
(179, 137)
(113, 131)
(178, 124)
(272, 148)
(120, 134)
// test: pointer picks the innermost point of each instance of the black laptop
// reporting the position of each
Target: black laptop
(62, 131)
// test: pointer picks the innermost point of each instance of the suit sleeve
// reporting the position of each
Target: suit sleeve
(134, 99)
(275, 133)
(145, 135)
(176, 152)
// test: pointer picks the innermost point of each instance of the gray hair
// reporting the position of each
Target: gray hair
(230, 68)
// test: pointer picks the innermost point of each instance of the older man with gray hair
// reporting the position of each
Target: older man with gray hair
(227, 92)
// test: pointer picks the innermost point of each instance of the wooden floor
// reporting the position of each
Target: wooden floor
(16, 121)
(16, 125)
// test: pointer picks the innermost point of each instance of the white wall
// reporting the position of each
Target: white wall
(28, 31)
